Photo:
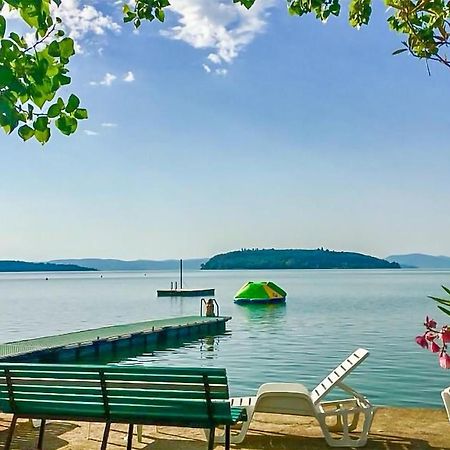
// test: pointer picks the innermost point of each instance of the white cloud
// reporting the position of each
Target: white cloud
(106, 81)
(91, 133)
(222, 72)
(214, 58)
(109, 125)
(129, 77)
(207, 68)
(80, 19)
(225, 28)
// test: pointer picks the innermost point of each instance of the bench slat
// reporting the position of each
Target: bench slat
(92, 376)
(152, 391)
(213, 371)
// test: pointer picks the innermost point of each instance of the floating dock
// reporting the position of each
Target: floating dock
(72, 346)
(184, 292)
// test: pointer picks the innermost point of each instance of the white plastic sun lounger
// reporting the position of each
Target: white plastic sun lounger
(446, 399)
(295, 399)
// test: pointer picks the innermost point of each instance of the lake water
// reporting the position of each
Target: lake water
(327, 315)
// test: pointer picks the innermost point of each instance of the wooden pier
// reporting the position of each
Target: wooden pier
(100, 341)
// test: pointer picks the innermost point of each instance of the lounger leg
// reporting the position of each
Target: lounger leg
(130, 437)
(41, 435)
(212, 433)
(105, 435)
(227, 437)
(9, 438)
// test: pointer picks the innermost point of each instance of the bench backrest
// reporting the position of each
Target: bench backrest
(156, 395)
(338, 374)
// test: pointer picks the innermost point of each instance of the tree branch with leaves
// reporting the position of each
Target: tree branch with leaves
(32, 75)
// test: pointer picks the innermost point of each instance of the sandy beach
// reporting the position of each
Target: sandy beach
(393, 429)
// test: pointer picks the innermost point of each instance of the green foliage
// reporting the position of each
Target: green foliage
(31, 75)
(145, 10)
(444, 303)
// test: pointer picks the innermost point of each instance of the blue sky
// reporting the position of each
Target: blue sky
(296, 134)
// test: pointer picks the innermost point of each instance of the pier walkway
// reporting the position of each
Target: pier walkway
(79, 343)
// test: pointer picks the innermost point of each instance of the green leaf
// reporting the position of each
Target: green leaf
(66, 125)
(400, 50)
(42, 136)
(72, 104)
(446, 289)
(80, 114)
(441, 301)
(445, 310)
(2, 26)
(159, 13)
(41, 123)
(66, 48)
(53, 49)
(26, 132)
(54, 111)
(18, 40)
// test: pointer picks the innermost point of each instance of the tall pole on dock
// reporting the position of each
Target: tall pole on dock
(181, 274)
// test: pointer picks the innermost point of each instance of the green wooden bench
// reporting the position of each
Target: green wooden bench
(171, 396)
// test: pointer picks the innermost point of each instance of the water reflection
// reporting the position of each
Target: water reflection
(154, 352)
(264, 313)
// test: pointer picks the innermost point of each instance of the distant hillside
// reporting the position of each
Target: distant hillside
(140, 264)
(22, 266)
(421, 261)
(295, 259)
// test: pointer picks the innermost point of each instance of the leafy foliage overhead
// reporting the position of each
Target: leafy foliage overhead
(32, 74)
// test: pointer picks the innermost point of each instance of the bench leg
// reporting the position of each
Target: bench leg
(40, 443)
(130, 437)
(105, 435)
(139, 433)
(227, 437)
(9, 438)
(212, 434)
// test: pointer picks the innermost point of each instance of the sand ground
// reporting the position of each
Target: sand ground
(393, 429)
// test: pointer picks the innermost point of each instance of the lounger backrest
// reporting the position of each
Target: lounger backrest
(338, 374)
(162, 395)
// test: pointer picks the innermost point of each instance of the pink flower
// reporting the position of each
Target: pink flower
(430, 336)
(445, 335)
(430, 323)
(444, 361)
(422, 341)
(434, 348)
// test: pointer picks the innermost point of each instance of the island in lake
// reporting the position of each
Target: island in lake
(295, 259)
(22, 266)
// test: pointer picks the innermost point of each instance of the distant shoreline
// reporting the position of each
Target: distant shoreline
(24, 267)
(282, 259)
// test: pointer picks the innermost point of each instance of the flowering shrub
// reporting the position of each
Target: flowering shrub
(437, 339)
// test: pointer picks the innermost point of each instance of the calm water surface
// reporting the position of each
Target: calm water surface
(328, 314)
